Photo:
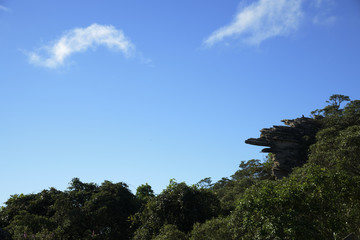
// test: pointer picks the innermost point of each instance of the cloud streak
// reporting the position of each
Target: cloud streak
(259, 21)
(5, 9)
(80, 40)
(323, 16)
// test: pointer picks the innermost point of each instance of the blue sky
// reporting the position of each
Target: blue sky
(146, 91)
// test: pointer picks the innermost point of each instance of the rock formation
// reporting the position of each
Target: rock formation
(288, 144)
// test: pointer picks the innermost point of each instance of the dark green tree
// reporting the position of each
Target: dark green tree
(144, 193)
(338, 143)
(110, 209)
(30, 213)
(313, 203)
(72, 219)
(179, 205)
(170, 232)
(84, 211)
(230, 190)
(213, 229)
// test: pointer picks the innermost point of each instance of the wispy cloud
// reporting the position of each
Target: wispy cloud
(261, 20)
(2, 8)
(80, 40)
(323, 12)
(320, 20)
(264, 19)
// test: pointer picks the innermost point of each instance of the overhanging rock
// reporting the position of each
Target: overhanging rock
(288, 144)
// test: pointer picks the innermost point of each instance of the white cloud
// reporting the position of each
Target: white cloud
(265, 19)
(80, 40)
(261, 20)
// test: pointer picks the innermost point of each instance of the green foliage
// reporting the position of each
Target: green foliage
(84, 211)
(314, 203)
(144, 193)
(250, 172)
(214, 229)
(337, 99)
(170, 232)
(29, 223)
(338, 149)
(204, 183)
(254, 169)
(179, 205)
(109, 209)
(338, 143)
(332, 110)
(72, 218)
(29, 213)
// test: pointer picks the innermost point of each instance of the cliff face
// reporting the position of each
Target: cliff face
(288, 144)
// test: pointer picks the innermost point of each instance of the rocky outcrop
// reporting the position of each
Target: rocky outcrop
(288, 144)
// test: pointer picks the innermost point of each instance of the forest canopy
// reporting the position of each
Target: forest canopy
(318, 200)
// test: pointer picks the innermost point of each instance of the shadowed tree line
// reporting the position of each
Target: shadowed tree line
(320, 200)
